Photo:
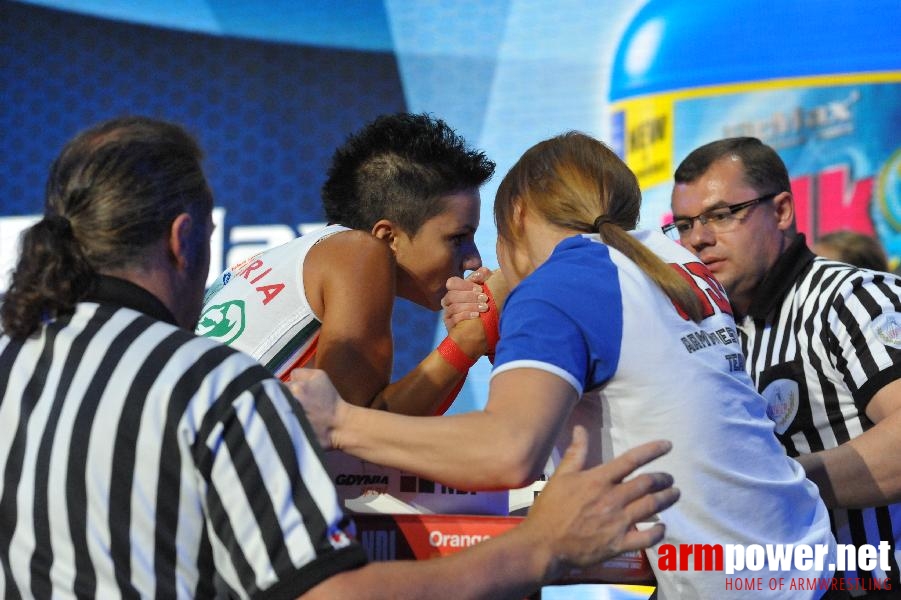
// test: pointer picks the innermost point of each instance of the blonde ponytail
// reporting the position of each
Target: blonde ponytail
(571, 179)
(666, 278)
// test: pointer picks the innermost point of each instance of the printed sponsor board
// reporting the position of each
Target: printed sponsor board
(403, 537)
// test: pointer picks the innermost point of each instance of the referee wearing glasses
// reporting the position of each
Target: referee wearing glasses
(822, 340)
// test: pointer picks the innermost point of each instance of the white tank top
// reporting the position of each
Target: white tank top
(260, 307)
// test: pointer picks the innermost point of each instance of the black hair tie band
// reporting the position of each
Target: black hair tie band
(602, 220)
(59, 223)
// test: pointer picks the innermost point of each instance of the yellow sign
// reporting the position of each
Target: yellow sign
(648, 139)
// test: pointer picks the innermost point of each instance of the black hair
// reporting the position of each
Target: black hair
(763, 168)
(398, 167)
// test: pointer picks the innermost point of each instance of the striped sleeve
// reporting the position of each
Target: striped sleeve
(272, 512)
(138, 460)
(864, 322)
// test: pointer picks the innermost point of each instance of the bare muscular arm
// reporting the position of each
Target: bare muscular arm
(582, 517)
(350, 283)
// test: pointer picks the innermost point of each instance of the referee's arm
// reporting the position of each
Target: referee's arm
(864, 471)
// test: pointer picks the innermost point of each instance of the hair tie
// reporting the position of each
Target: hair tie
(59, 223)
(602, 220)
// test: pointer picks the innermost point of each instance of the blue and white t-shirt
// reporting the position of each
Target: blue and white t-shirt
(645, 371)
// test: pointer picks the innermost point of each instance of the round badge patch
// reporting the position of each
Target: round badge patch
(887, 328)
(782, 397)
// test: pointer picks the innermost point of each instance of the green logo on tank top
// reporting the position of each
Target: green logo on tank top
(224, 322)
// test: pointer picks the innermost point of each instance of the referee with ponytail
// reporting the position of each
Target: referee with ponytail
(138, 460)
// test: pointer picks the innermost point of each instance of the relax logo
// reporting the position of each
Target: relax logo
(225, 321)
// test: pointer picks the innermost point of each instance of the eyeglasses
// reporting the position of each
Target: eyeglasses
(720, 220)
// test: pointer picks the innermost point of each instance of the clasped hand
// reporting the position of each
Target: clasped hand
(321, 402)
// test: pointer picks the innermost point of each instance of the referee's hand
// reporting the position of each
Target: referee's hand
(586, 516)
(320, 401)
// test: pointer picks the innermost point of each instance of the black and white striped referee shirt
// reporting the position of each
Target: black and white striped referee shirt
(821, 338)
(139, 460)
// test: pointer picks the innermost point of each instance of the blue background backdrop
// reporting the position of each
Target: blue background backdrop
(271, 88)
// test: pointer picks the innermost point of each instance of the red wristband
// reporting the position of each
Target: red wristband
(454, 356)
(490, 323)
